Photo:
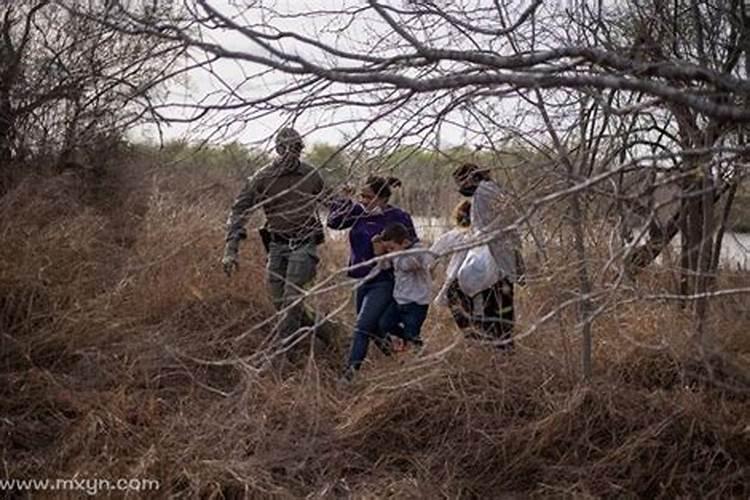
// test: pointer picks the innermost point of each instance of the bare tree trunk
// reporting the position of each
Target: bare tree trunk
(69, 143)
(684, 245)
(661, 236)
(585, 283)
(705, 254)
(722, 229)
(577, 224)
(5, 135)
(6, 112)
(694, 230)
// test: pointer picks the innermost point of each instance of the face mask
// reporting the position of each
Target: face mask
(375, 211)
(468, 190)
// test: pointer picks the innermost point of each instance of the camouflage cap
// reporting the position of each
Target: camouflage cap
(288, 137)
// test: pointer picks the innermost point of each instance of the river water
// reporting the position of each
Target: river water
(735, 249)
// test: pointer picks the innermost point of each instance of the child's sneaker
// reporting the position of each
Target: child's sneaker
(399, 345)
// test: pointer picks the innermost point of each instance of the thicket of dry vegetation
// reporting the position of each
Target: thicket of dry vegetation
(125, 352)
(122, 348)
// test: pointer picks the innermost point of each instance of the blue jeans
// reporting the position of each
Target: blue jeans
(372, 300)
(405, 320)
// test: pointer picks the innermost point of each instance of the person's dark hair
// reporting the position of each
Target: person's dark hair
(395, 232)
(470, 170)
(381, 186)
(462, 214)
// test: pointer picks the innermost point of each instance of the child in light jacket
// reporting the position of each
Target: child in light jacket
(412, 291)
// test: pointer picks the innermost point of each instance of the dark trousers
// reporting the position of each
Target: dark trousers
(489, 314)
(289, 271)
(372, 299)
(405, 321)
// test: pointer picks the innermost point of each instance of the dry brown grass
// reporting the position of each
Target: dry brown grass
(117, 326)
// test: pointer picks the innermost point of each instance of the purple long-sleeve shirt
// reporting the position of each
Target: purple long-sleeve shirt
(345, 214)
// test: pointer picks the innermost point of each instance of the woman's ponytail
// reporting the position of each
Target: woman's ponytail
(381, 186)
(393, 182)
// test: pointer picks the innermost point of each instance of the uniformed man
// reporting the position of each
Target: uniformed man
(289, 192)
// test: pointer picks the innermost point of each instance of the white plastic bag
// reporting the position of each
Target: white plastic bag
(479, 271)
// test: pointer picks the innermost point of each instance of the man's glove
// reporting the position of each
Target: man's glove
(229, 262)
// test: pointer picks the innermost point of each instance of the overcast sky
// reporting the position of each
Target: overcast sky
(317, 125)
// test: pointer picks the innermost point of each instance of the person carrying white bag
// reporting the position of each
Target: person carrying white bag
(483, 290)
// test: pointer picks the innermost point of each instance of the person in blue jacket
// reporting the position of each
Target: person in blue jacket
(365, 219)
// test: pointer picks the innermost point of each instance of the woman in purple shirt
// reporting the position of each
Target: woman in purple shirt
(366, 219)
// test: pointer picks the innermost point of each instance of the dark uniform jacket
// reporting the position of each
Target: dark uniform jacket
(288, 191)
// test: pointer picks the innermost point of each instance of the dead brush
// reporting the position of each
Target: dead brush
(131, 360)
(494, 434)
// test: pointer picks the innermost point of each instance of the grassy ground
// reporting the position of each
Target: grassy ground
(126, 353)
